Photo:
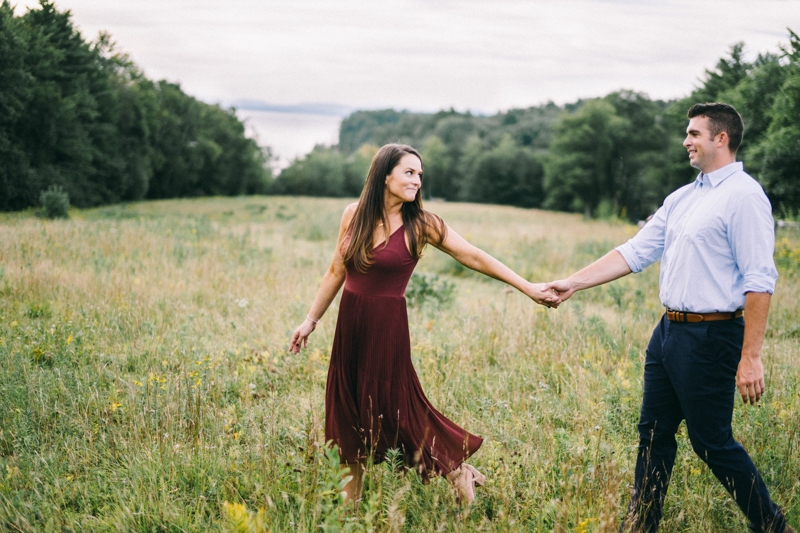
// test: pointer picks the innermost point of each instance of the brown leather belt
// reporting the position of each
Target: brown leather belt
(683, 316)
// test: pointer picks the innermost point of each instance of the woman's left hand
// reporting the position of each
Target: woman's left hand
(542, 296)
(300, 337)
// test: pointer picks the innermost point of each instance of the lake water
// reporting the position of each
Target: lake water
(290, 135)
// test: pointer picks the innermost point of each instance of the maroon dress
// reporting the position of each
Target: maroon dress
(373, 400)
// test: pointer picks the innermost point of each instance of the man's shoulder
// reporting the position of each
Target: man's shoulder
(678, 193)
(743, 194)
(741, 182)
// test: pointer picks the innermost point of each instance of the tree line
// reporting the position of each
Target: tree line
(83, 116)
(615, 156)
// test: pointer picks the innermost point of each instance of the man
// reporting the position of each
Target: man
(715, 238)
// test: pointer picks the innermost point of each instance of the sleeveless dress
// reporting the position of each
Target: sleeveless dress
(373, 399)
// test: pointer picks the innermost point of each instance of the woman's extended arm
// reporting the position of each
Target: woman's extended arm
(472, 257)
(328, 289)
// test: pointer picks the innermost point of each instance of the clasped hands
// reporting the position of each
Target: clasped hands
(551, 294)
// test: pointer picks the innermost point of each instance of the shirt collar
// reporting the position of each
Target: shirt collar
(719, 175)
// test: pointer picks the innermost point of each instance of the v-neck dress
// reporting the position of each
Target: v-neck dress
(373, 399)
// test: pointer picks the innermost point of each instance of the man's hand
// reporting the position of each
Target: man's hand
(562, 287)
(542, 295)
(750, 378)
(750, 375)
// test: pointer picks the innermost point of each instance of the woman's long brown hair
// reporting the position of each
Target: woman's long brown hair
(371, 209)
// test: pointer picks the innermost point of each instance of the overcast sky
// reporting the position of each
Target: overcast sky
(432, 54)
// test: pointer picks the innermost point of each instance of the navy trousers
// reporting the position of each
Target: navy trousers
(690, 373)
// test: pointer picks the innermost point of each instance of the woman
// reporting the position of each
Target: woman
(373, 399)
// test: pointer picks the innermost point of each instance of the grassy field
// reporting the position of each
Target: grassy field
(145, 383)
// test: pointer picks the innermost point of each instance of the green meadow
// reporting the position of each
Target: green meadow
(145, 383)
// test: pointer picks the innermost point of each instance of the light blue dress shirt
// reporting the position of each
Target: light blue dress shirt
(715, 238)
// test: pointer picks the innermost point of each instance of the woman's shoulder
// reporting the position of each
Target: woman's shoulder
(349, 213)
(429, 217)
(435, 228)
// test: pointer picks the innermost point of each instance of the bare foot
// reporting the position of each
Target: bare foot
(464, 478)
(479, 478)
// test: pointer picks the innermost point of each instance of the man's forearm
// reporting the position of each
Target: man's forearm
(756, 310)
(608, 268)
(750, 374)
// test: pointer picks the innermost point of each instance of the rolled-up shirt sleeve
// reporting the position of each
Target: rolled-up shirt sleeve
(751, 236)
(647, 246)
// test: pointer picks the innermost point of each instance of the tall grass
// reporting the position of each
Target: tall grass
(145, 384)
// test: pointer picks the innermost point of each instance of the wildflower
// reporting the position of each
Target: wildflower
(114, 406)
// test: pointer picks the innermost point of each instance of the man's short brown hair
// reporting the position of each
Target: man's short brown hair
(721, 117)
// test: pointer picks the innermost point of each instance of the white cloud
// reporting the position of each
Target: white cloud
(431, 54)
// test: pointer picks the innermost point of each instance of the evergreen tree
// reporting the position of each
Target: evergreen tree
(776, 156)
(16, 88)
(82, 116)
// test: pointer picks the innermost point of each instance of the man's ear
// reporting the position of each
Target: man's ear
(722, 139)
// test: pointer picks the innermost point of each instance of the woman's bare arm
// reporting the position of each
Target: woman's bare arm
(473, 257)
(328, 289)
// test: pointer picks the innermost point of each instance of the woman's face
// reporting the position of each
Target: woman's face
(403, 183)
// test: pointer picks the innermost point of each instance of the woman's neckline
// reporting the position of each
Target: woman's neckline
(390, 237)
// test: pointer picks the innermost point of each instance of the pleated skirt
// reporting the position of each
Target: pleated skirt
(373, 399)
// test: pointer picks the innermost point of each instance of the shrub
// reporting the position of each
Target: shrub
(424, 287)
(55, 202)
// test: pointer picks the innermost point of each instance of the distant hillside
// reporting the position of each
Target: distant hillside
(335, 110)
